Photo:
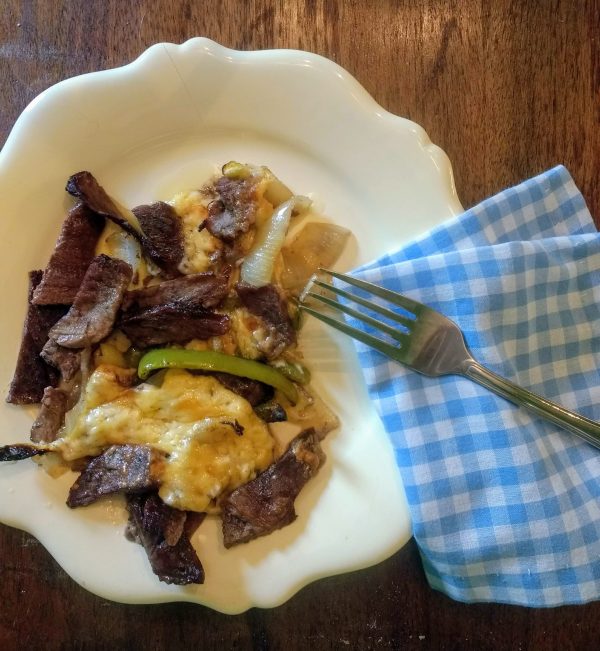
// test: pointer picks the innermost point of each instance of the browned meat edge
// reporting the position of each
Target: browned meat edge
(119, 469)
(267, 303)
(253, 391)
(66, 360)
(235, 212)
(204, 290)
(163, 236)
(93, 313)
(50, 417)
(163, 533)
(32, 375)
(85, 187)
(71, 257)
(267, 502)
(172, 324)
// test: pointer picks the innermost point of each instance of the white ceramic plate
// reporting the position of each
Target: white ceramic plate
(148, 130)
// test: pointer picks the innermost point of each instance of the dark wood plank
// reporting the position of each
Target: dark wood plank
(508, 89)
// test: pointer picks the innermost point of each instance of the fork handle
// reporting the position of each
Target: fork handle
(581, 426)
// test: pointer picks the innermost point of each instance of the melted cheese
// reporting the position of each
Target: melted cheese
(200, 247)
(188, 417)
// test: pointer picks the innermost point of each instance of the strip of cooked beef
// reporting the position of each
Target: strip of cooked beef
(43, 318)
(66, 360)
(235, 212)
(163, 236)
(71, 257)
(173, 323)
(32, 375)
(267, 303)
(163, 533)
(19, 451)
(93, 313)
(85, 187)
(267, 502)
(50, 417)
(253, 391)
(119, 469)
(176, 527)
(205, 290)
(192, 522)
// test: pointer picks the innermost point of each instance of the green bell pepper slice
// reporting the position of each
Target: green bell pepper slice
(210, 360)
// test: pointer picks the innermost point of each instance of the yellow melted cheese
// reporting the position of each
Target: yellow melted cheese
(188, 418)
(200, 247)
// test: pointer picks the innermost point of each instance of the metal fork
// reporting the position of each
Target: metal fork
(431, 344)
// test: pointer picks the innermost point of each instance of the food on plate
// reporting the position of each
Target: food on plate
(161, 344)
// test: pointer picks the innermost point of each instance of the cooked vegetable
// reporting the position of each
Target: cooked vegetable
(257, 267)
(276, 191)
(316, 245)
(271, 412)
(293, 370)
(235, 170)
(210, 360)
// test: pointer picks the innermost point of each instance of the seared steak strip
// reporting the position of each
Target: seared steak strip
(85, 187)
(235, 212)
(51, 416)
(267, 502)
(164, 535)
(267, 303)
(196, 290)
(173, 323)
(192, 522)
(119, 469)
(66, 360)
(163, 236)
(71, 257)
(92, 315)
(19, 451)
(32, 374)
(253, 391)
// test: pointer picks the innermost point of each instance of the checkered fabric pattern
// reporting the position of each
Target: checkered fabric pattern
(505, 506)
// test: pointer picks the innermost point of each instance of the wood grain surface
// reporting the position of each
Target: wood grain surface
(507, 89)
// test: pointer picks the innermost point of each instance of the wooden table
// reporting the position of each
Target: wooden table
(507, 89)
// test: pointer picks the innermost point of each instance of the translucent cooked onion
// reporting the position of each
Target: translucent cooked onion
(116, 243)
(257, 267)
(276, 192)
(316, 245)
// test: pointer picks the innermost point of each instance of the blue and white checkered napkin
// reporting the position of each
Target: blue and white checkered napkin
(505, 506)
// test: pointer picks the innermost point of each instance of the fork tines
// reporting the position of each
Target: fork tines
(399, 335)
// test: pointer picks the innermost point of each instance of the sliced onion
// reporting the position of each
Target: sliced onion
(117, 243)
(310, 411)
(316, 245)
(257, 267)
(276, 191)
